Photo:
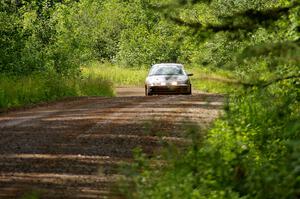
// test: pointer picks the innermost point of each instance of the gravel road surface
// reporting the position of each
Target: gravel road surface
(73, 148)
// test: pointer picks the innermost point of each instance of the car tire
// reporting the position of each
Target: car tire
(146, 92)
(190, 90)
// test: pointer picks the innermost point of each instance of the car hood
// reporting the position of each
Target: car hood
(166, 78)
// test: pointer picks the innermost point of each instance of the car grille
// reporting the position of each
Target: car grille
(169, 89)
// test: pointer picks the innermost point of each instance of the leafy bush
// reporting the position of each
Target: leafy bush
(252, 152)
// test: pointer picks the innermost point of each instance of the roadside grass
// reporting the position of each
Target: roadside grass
(212, 81)
(120, 76)
(16, 91)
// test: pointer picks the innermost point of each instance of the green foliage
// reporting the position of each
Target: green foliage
(9, 41)
(31, 195)
(76, 28)
(253, 151)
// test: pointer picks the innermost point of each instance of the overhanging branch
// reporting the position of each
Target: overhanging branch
(254, 19)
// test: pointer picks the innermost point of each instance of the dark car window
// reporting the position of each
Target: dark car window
(166, 70)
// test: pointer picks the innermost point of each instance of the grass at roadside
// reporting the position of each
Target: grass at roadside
(211, 81)
(204, 79)
(95, 80)
(20, 91)
(120, 76)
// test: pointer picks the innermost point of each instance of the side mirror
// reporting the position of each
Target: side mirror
(190, 74)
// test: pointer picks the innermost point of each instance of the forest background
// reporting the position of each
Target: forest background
(56, 48)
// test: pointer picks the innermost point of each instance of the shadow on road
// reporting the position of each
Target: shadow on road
(73, 150)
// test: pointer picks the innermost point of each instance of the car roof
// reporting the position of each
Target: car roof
(167, 64)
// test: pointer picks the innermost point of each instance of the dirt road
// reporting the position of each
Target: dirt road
(72, 149)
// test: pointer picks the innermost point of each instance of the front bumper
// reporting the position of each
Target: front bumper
(169, 89)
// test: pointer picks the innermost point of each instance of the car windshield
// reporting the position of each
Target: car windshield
(166, 70)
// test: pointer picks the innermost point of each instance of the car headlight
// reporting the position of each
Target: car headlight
(163, 83)
(174, 83)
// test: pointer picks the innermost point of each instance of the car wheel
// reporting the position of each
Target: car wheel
(190, 90)
(146, 91)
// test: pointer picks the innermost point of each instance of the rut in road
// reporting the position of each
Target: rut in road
(73, 149)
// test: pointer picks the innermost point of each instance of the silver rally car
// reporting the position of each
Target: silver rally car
(168, 78)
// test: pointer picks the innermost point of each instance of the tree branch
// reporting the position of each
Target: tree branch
(280, 79)
(254, 19)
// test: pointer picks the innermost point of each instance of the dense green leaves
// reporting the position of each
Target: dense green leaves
(61, 35)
